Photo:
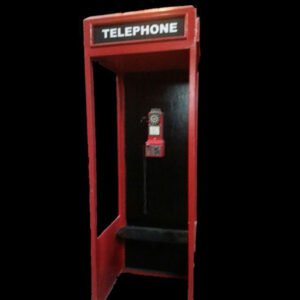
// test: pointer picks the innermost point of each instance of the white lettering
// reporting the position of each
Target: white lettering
(154, 29)
(173, 27)
(140, 30)
(136, 29)
(113, 32)
(105, 31)
(145, 29)
(164, 28)
(128, 31)
(120, 34)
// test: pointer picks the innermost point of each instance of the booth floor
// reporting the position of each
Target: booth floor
(136, 287)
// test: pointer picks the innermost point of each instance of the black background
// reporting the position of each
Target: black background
(52, 147)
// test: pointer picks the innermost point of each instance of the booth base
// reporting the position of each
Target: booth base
(136, 287)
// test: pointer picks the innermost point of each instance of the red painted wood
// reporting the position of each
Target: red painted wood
(90, 111)
(192, 169)
(146, 46)
(121, 159)
(107, 253)
(109, 258)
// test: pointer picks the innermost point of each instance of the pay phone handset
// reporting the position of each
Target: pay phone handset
(155, 145)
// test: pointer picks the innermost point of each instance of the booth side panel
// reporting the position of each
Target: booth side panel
(192, 166)
(107, 253)
(109, 259)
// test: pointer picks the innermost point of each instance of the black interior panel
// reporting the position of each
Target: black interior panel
(162, 181)
(157, 257)
(166, 178)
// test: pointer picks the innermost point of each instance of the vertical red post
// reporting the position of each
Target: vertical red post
(192, 169)
(91, 133)
(121, 156)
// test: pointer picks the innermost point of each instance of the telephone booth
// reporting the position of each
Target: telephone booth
(154, 55)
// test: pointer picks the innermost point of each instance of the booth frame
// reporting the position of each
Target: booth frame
(107, 253)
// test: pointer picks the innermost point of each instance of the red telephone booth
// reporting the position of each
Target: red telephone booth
(154, 55)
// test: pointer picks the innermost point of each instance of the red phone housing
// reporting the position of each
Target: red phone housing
(155, 145)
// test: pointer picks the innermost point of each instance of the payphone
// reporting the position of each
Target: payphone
(154, 55)
(155, 146)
